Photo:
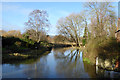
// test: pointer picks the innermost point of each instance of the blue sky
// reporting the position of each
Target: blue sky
(15, 14)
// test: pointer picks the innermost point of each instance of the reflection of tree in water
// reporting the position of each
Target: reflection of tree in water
(68, 56)
(60, 50)
(90, 69)
(70, 64)
(38, 69)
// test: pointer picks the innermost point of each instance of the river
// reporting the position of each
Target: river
(59, 63)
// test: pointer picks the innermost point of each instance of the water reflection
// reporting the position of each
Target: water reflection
(70, 64)
(36, 70)
(25, 70)
(59, 63)
(68, 56)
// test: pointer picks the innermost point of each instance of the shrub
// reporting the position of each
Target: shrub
(84, 42)
(18, 43)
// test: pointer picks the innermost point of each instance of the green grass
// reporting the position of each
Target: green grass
(84, 42)
(86, 60)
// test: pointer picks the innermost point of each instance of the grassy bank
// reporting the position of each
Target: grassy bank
(24, 57)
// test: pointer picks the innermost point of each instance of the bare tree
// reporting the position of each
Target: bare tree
(38, 21)
(101, 16)
(112, 25)
(72, 27)
(60, 39)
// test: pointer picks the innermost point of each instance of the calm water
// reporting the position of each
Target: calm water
(59, 63)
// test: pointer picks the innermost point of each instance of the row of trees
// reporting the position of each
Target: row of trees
(14, 33)
(103, 19)
(30, 35)
(98, 20)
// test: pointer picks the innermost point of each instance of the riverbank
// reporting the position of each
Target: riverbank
(23, 55)
(16, 49)
(54, 45)
(107, 53)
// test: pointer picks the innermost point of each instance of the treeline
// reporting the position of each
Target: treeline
(15, 40)
(102, 28)
(95, 27)
(97, 21)
(15, 33)
(29, 36)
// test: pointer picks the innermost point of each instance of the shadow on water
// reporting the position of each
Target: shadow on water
(59, 63)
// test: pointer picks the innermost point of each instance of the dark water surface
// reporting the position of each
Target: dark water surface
(59, 63)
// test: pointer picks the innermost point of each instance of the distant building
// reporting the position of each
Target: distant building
(117, 33)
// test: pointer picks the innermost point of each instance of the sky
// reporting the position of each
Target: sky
(119, 9)
(15, 14)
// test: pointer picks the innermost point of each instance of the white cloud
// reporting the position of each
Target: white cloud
(16, 8)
